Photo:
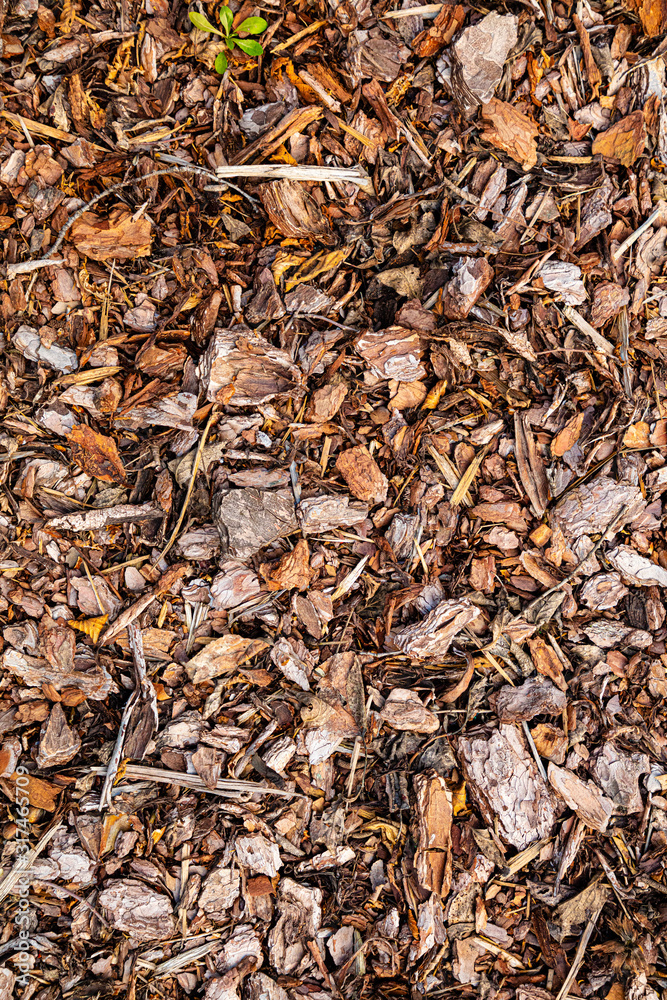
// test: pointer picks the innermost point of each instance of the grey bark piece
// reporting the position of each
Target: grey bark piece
(618, 775)
(431, 637)
(28, 342)
(263, 988)
(35, 671)
(247, 520)
(7, 980)
(219, 892)
(609, 635)
(482, 50)
(174, 410)
(94, 519)
(245, 369)
(534, 697)
(504, 781)
(259, 854)
(145, 914)
(603, 591)
(591, 508)
(326, 513)
(637, 569)
(300, 909)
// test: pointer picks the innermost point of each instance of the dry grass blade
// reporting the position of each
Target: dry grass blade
(226, 787)
(26, 861)
(466, 479)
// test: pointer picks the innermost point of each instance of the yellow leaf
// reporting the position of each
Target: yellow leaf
(281, 155)
(318, 265)
(434, 396)
(388, 831)
(283, 262)
(459, 799)
(92, 627)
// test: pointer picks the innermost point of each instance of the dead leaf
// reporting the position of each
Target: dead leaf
(293, 570)
(547, 662)
(41, 794)
(96, 454)
(222, 656)
(623, 141)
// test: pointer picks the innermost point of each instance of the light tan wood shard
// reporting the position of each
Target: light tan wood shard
(433, 827)
(583, 797)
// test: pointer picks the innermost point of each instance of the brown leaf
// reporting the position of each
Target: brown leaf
(453, 693)
(568, 437)
(623, 141)
(511, 131)
(293, 570)
(547, 662)
(222, 656)
(550, 741)
(96, 454)
(118, 236)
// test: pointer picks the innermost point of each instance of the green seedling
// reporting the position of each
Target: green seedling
(251, 25)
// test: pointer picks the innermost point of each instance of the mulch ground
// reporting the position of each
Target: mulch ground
(332, 557)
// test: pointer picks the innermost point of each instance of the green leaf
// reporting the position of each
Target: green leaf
(226, 18)
(253, 25)
(229, 41)
(221, 63)
(247, 45)
(203, 23)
